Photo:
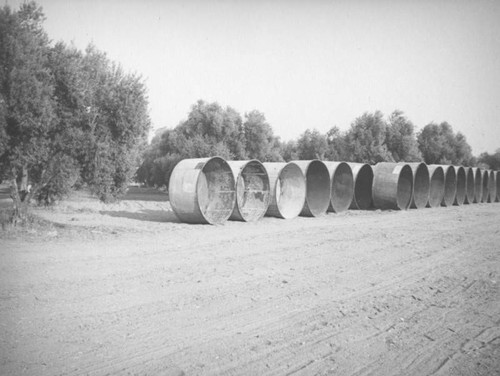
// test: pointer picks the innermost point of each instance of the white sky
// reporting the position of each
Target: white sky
(304, 64)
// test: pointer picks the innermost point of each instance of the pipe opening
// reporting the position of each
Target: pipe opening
(421, 185)
(461, 186)
(405, 187)
(436, 192)
(486, 182)
(317, 188)
(288, 190)
(363, 181)
(215, 191)
(492, 189)
(342, 186)
(469, 186)
(497, 181)
(478, 185)
(252, 190)
(450, 186)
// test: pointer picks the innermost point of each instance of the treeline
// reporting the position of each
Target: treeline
(212, 130)
(67, 117)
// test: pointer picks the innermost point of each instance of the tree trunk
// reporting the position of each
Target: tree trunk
(19, 197)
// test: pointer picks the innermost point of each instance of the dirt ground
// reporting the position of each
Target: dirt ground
(125, 289)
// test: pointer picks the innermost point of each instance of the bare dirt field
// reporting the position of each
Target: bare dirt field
(125, 289)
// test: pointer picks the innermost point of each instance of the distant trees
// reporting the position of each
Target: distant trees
(401, 140)
(491, 161)
(209, 130)
(311, 145)
(65, 116)
(439, 144)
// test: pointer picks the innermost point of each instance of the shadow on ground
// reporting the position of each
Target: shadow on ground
(145, 215)
(145, 194)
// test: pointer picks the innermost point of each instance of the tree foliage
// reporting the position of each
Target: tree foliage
(312, 145)
(401, 141)
(440, 145)
(366, 139)
(490, 161)
(209, 130)
(65, 115)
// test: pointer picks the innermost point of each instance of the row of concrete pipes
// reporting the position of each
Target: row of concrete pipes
(213, 190)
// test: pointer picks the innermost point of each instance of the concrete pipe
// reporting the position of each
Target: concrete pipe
(252, 190)
(392, 186)
(317, 187)
(461, 185)
(436, 191)
(478, 185)
(288, 189)
(450, 185)
(486, 185)
(342, 186)
(421, 185)
(469, 185)
(497, 181)
(362, 174)
(202, 190)
(492, 186)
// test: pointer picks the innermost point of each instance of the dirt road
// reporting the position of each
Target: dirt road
(125, 289)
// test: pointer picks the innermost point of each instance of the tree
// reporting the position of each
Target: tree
(439, 145)
(401, 140)
(64, 116)
(260, 143)
(337, 145)
(490, 161)
(366, 139)
(28, 106)
(311, 145)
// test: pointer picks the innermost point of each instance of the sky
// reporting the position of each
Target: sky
(305, 64)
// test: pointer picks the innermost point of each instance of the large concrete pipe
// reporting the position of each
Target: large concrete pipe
(421, 185)
(497, 181)
(252, 190)
(202, 190)
(392, 186)
(436, 192)
(342, 186)
(478, 184)
(362, 174)
(469, 185)
(486, 185)
(492, 186)
(317, 187)
(461, 185)
(450, 185)
(288, 189)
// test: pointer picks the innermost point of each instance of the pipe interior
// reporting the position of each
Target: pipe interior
(342, 188)
(450, 186)
(252, 191)
(497, 181)
(363, 187)
(318, 188)
(421, 186)
(405, 187)
(469, 185)
(478, 186)
(485, 186)
(215, 191)
(492, 187)
(461, 186)
(290, 191)
(437, 188)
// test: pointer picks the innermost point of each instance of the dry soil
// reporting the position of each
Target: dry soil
(125, 289)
